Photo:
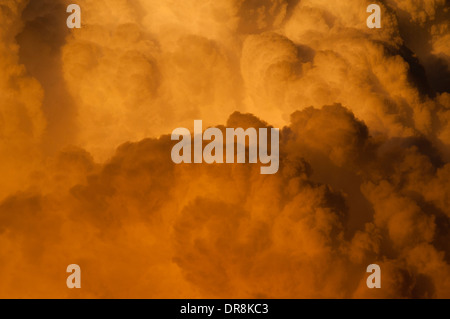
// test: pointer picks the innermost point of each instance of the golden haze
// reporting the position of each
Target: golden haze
(85, 152)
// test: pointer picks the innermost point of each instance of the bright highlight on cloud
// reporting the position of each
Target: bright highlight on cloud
(87, 175)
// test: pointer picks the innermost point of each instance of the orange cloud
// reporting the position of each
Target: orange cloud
(87, 177)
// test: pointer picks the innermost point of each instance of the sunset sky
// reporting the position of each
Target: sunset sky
(85, 149)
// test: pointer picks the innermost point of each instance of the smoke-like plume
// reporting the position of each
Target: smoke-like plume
(87, 177)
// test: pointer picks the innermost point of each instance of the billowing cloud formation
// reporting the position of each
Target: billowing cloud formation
(364, 149)
(21, 119)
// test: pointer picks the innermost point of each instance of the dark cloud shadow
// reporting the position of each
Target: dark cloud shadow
(41, 40)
